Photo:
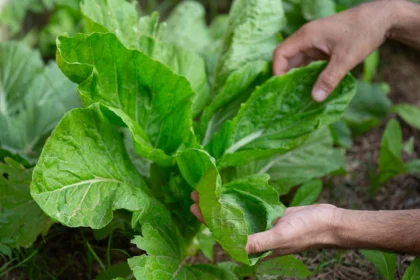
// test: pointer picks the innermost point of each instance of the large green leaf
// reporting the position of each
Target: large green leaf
(32, 99)
(84, 172)
(158, 100)
(227, 102)
(285, 266)
(390, 154)
(315, 9)
(21, 219)
(413, 271)
(120, 17)
(186, 27)
(317, 157)
(13, 13)
(409, 113)
(384, 262)
(278, 117)
(413, 166)
(368, 108)
(307, 193)
(234, 210)
(342, 134)
(166, 249)
(250, 36)
(370, 66)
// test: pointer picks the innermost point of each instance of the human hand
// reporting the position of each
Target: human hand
(300, 229)
(345, 39)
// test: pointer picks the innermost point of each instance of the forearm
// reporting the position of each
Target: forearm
(397, 231)
(406, 23)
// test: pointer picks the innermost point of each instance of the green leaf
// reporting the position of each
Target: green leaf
(278, 117)
(186, 27)
(206, 242)
(21, 219)
(13, 13)
(84, 172)
(143, 165)
(316, 9)
(5, 250)
(121, 222)
(409, 113)
(114, 271)
(408, 146)
(384, 262)
(33, 98)
(63, 19)
(227, 102)
(232, 211)
(120, 17)
(126, 79)
(390, 154)
(413, 166)
(250, 36)
(413, 271)
(166, 249)
(317, 157)
(295, 19)
(342, 134)
(368, 108)
(308, 193)
(142, 145)
(182, 61)
(285, 266)
(370, 65)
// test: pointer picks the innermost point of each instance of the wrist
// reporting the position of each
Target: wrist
(402, 14)
(330, 233)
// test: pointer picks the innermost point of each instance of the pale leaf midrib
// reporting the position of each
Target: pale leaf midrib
(92, 181)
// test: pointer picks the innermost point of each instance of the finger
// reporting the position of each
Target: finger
(194, 196)
(260, 242)
(195, 210)
(290, 48)
(296, 61)
(329, 79)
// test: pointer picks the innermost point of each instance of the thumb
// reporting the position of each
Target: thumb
(329, 79)
(260, 242)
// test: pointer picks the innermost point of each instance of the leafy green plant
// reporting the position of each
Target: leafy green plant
(33, 98)
(413, 271)
(390, 157)
(385, 262)
(138, 83)
(409, 113)
(14, 12)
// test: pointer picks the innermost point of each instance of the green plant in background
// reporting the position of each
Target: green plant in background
(33, 98)
(390, 157)
(142, 79)
(386, 264)
(65, 17)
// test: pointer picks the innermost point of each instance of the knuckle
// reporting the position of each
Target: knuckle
(329, 81)
(256, 246)
(308, 29)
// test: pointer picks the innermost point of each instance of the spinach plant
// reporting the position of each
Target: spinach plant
(165, 114)
(33, 98)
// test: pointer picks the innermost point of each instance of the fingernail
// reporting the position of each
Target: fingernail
(319, 95)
